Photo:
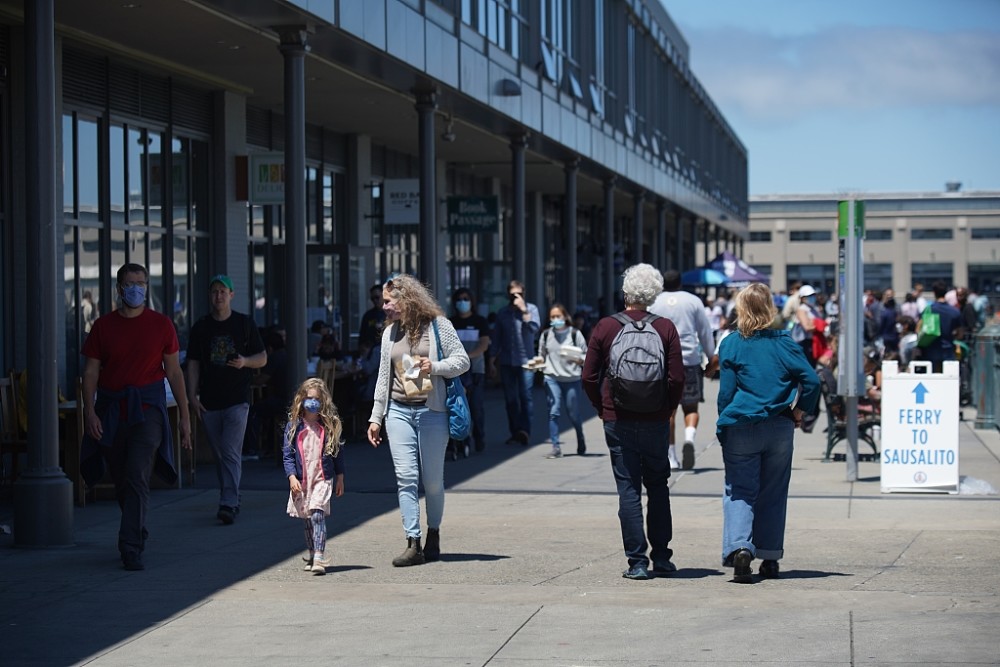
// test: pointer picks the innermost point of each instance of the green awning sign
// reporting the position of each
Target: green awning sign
(473, 214)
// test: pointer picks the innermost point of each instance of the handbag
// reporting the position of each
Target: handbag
(459, 414)
(930, 328)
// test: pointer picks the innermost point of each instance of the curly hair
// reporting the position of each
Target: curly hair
(417, 306)
(332, 426)
(641, 284)
(756, 308)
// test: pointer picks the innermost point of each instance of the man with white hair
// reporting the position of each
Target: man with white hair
(635, 428)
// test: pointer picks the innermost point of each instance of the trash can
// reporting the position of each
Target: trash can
(986, 376)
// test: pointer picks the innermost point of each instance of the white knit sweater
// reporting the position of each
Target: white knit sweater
(455, 362)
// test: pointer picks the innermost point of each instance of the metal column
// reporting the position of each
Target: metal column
(638, 202)
(518, 142)
(426, 106)
(609, 246)
(569, 219)
(660, 254)
(679, 242)
(43, 496)
(293, 48)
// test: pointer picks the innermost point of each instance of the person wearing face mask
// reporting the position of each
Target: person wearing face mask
(563, 349)
(474, 332)
(128, 354)
(804, 324)
(419, 350)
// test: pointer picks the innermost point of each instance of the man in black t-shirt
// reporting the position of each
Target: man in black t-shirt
(224, 346)
(370, 331)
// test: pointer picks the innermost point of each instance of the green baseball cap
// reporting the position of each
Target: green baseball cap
(222, 278)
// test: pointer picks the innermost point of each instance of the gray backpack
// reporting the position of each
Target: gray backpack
(637, 368)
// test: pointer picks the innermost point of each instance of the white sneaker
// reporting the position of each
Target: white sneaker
(672, 456)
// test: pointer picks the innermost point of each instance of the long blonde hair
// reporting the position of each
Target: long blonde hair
(332, 426)
(755, 306)
(417, 306)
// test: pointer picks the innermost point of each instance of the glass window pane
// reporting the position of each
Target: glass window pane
(180, 152)
(312, 198)
(328, 195)
(69, 168)
(200, 186)
(155, 182)
(135, 147)
(74, 306)
(117, 261)
(87, 170)
(259, 251)
(116, 156)
(157, 293)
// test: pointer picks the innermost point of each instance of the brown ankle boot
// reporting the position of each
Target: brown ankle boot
(413, 555)
(432, 548)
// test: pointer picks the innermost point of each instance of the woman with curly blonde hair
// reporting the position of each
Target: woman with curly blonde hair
(420, 348)
(766, 384)
(312, 458)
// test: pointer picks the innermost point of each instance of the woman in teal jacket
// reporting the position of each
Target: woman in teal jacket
(766, 385)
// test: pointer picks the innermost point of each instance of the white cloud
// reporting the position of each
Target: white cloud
(775, 79)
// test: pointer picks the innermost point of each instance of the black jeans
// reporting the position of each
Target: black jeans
(131, 460)
(639, 458)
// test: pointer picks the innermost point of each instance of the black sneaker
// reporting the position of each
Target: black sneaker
(581, 449)
(132, 561)
(769, 569)
(687, 456)
(226, 515)
(742, 573)
(663, 568)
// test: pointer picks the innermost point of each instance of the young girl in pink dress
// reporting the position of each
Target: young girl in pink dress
(313, 465)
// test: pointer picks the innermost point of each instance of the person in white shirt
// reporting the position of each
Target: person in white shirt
(687, 313)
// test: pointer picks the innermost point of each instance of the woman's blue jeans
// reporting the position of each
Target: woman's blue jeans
(560, 393)
(418, 437)
(758, 460)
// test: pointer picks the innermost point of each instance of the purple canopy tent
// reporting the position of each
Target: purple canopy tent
(738, 273)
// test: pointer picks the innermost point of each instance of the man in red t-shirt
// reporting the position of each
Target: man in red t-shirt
(637, 439)
(129, 352)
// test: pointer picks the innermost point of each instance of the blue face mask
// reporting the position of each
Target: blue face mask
(311, 405)
(463, 305)
(558, 324)
(134, 296)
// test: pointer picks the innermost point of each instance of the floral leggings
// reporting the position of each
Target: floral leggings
(315, 531)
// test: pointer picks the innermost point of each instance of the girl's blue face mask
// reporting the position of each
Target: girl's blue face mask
(311, 405)
(463, 305)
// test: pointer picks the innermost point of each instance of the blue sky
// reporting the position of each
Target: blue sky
(853, 96)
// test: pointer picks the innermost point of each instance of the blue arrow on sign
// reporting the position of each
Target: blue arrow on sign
(920, 390)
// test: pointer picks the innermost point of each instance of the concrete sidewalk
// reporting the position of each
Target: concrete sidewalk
(530, 573)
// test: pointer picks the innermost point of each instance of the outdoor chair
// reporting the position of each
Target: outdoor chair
(836, 425)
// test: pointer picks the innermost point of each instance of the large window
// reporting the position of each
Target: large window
(931, 234)
(811, 235)
(500, 21)
(760, 237)
(926, 273)
(983, 233)
(823, 277)
(121, 218)
(878, 235)
(877, 277)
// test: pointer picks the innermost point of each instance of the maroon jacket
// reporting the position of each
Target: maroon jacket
(595, 369)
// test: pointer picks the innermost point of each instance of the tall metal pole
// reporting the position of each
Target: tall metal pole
(518, 142)
(43, 496)
(426, 106)
(569, 219)
(661, 235)
(293, 48)
(850, 382)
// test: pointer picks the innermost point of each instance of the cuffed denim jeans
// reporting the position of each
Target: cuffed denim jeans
(418, 437)
(517, 383)
(639, 458)
(758, 459)
(568, 394)
(224, 430)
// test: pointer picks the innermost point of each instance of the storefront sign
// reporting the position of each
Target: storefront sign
(402, 201)
(473, 214)
(920, 428)
(266, 175)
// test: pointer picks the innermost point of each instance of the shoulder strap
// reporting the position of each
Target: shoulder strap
(622, 318)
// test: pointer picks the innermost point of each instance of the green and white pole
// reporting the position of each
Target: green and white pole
(850, 369)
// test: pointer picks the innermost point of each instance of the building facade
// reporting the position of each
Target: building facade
(910, 238)
(579, 124)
